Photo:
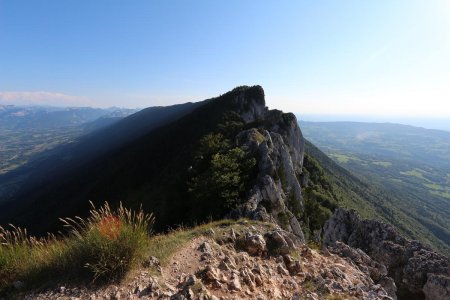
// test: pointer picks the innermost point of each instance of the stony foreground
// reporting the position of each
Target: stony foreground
(242, 261)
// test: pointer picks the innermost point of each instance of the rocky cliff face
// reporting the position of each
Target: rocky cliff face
(418, 271)
(275, 139)
(401, 267)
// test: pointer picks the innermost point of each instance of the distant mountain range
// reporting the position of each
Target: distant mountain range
(27, 131)
(438, 122)
(41, 117)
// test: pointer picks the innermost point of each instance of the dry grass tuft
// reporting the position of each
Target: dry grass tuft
(103, 246)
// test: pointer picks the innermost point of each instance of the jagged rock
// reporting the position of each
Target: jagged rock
(210, 232)
(389, 286)
(235, 284)
(410, 263)
(190, 280)
(258, 280)
(254, 244)
(232, 234)
(247, 276)
(294, 267)
(251, 104)
(282, 270)
(152, 262)
(437, 287)
(115, 296)
(212, 274)
(144, 289)
(206, 248)
(366, 264)
(281, 242)
(276, 293)
(234, 274)
(279, 148)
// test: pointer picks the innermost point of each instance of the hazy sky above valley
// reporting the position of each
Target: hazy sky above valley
(389, 58)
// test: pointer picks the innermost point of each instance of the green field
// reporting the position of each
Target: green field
(411, 164)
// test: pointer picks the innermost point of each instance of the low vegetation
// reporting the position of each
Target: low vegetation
(221, 171)
(407, 166)
(102, 247)
(163, 246)
(375, 199)
(319, 196)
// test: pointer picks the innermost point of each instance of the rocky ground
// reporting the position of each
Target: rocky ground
(419, 272)
(241, 261)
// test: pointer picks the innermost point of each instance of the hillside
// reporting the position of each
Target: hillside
(405, 165)
(129, 161)
(93, 140)
(228, 157)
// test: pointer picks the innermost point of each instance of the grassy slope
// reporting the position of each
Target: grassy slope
(371, 200)
(410, 164)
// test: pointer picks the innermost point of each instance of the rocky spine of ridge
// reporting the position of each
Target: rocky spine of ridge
(247, 260)
(418, 271)
(402, 267)
(276, 141)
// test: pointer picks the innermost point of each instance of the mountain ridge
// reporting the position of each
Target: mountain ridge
(228, 156)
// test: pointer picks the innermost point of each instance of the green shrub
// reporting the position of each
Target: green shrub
(222, 174)
(102, 247)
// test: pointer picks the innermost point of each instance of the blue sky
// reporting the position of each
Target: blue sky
(312, 57)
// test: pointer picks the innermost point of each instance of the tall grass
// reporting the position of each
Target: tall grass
(103, 246)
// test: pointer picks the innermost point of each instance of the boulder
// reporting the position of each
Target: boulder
(255, 244)
(281, 242)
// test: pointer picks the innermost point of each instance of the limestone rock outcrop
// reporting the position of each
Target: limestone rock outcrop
(244, 261)
(416, 269)
(276, 141)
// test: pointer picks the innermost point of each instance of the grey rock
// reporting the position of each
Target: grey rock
(410, 263)
(282, 270)
(206, 248)
(191, 280)
(281, 242)
(152, 262)
(279, 148)
(294, 267)
(212, 274)
(437, 287)
(255, 244)
(235, 284)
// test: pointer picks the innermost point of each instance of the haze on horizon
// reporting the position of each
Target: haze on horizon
(380, 58)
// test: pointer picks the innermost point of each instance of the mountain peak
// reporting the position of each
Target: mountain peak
(249, 101)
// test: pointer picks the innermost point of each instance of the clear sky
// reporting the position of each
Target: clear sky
(377, 57)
